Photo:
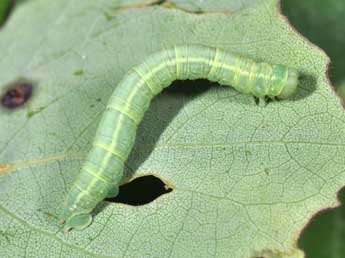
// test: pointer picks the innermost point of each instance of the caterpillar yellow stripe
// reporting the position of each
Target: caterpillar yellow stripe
(103, 169)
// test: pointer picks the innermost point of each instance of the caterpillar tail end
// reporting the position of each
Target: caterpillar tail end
(78, 222)
(290, 85)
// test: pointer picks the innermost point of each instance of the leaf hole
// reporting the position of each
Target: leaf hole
(324, 230)
(141, 190)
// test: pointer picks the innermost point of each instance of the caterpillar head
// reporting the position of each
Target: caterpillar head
(290, 85)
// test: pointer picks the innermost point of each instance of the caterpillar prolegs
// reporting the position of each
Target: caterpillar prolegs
(103, 169)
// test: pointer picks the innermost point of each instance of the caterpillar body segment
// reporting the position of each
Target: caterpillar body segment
(103, 169)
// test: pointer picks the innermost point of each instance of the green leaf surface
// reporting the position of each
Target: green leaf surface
(323, 23)
(246, 179)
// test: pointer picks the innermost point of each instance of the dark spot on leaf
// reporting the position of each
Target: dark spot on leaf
(32, 113)
(267, 171)
(199, 11)
(141, 190)
(99, 100)
(159, 2)
(92, 105)
(108, 16)
(17, 95)
(257, 100)
(78, 73)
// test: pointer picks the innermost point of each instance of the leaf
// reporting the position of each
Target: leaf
(325, 235)
(246, 179)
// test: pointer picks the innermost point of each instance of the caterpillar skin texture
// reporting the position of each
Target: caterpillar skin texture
(103, 169)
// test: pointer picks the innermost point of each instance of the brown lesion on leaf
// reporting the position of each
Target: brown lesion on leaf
(170, 5)
(5, 167)
(17, 94)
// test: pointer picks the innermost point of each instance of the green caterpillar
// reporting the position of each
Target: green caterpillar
(103, 169)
